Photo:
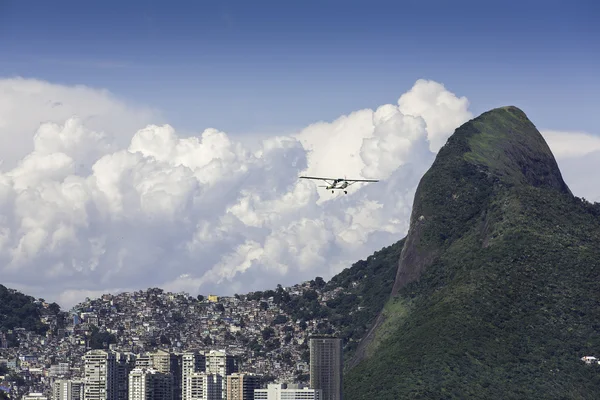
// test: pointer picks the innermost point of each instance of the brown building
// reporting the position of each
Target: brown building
(241, 386)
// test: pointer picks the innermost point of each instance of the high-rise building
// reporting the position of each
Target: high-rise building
(163, 386)
(282, 391)
(100, 375)
(169, 364)
(203, 386)
(191, 362)
(139, 384)
(219, 362)
(241, 386)
(150, 384)
(222, 364)
(125, 362)
(76, 390)
(65, 389)
(326, 364)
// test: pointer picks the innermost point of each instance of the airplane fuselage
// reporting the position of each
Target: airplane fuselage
(344, 185)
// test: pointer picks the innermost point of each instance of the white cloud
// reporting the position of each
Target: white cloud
(100, 196)
(27, 103)
(442, 110)
(578, 157)
(571, 144)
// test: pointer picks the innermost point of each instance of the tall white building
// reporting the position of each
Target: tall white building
(192, 362)
(100, 375)
(150, 384)
(65, 389)
(282, 391)
(219, 362)
(203, 386)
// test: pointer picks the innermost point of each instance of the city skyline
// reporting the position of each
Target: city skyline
(253, 341)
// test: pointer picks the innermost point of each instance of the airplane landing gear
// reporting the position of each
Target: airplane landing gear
(345, 192)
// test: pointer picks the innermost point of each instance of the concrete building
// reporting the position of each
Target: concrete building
(125, 362)
(143, 361)
(282, 391)
(326, 364)
(100, 376)
(59, 370)
(241, 386)
(192, 362)
(65, 389)
(220, 363)
(150, 384)
(169, 364)
(203, 386)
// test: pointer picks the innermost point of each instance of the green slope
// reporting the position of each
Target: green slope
(496, 295)
(368, 283)
(18, 310)
(354, 297)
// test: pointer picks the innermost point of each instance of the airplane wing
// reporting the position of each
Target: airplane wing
(361, 180)
(321, 179)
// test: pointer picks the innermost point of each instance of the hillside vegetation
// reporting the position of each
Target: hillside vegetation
(18, 310)
(496, 295)
(354, 298)
(369, 283)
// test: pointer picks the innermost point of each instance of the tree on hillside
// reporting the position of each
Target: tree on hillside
(101, 340)
(267, 333)
(319, 283)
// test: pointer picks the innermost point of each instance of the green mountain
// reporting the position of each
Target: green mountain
(18, 310)
(497, 287)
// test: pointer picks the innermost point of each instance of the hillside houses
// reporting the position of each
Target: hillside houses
(267, 340)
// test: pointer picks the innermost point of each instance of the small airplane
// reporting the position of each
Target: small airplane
(333, 183)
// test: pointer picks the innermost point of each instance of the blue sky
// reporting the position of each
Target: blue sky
(257, 68)
(273, 66)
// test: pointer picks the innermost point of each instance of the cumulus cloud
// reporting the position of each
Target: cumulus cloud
(578, 157)
(27, 103)
(442, 110)
(105, 197)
